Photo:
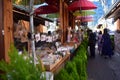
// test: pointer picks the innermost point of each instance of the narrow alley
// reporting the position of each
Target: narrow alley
(100, 68)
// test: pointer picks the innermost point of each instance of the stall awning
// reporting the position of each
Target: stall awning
(47, 9)
(20, 13)
(81, 5)
(85, 18)
(114, 11)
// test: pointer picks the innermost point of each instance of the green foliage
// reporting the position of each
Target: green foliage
(78, 63)
(74, 75)
(85, 43)
(83, 73)
(71, 69)
(55, 15)
(63, 75)
(81, 52)
(20, 67)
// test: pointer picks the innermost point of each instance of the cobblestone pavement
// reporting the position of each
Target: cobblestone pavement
(99, 68)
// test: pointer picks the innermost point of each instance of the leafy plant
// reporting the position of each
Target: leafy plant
(63, 75)
(71, 69)
(20, 67)
(78, 63)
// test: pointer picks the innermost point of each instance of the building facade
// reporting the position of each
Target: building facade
(114, 12)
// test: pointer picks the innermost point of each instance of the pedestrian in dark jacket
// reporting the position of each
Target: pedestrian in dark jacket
(91, 43)
(106, 44)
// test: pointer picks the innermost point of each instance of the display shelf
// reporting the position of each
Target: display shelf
(58, 64)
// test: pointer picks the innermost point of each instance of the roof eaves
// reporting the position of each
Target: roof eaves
(26, 10)
(109, 12)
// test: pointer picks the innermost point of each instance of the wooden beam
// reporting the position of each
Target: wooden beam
(64, 20)
(8, 26)
(61, 19)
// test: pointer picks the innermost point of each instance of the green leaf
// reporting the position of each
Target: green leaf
(20, 68)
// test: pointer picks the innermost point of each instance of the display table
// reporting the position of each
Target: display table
(72, 48)
(60, 64)
(52, 60)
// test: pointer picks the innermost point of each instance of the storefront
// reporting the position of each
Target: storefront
(64, 22)
(114, 13)
(52, 49)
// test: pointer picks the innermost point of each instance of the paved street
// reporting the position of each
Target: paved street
(104, 69)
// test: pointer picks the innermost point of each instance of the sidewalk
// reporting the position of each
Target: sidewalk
(100, 68)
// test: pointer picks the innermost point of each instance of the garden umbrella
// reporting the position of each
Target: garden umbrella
(47, 9)
(83, 12)
(55, 15)
(84, 18)
(81, 5)
(87, 20)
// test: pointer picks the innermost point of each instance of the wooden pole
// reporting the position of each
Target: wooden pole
(6, 28)
(63, 20)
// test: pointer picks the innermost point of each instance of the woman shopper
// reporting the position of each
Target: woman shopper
(106, 44)
(99, 42)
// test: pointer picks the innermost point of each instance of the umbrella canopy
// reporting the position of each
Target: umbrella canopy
(81, 5)
(83, 12)
(55, 15)
(47, 9)
(84, 18)
(87, 20)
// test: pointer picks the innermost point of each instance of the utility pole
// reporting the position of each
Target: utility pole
(32, 42)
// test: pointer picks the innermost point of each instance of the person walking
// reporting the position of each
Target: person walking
(91, 43)
(106, 44)
(99, 42)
